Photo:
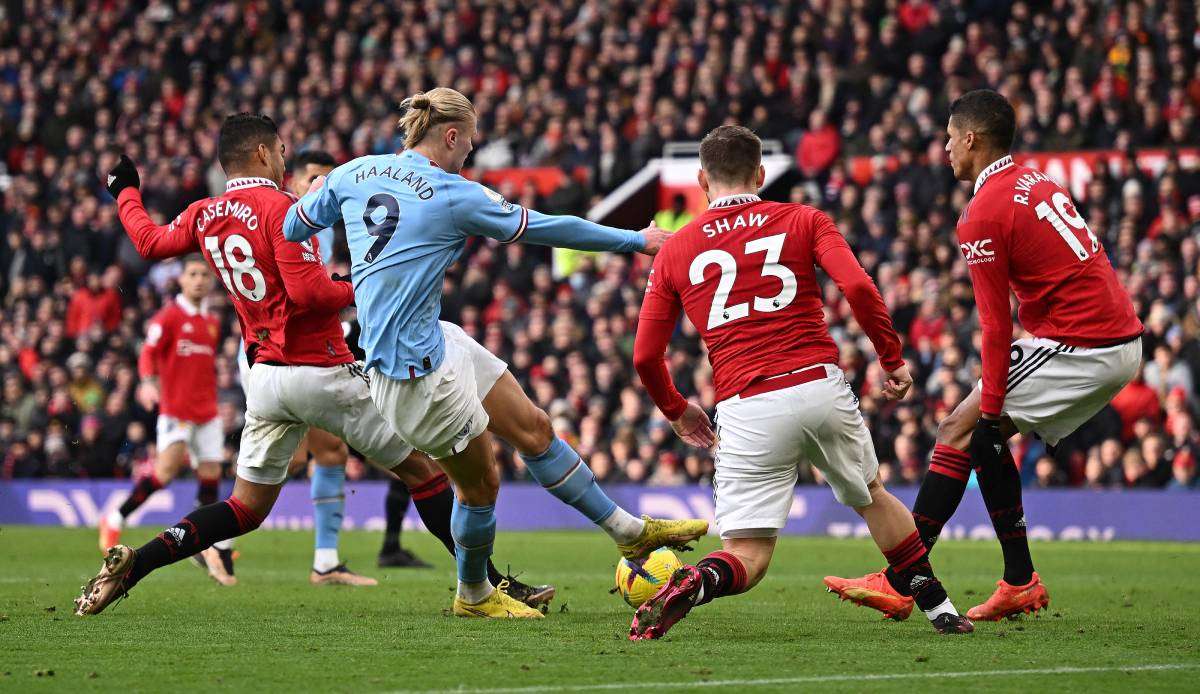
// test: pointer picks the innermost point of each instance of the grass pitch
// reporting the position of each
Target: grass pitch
(1121, 615)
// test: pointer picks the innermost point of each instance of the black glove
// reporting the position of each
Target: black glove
(123, 175)
(987, 444)
(343, 278)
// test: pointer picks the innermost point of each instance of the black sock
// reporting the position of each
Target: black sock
(207, 491)
(142, 489)
(195, 533)
(1000, 485)
(394, 508)
(723, 574)
(910, 572)
(434, 501)
(941, 491)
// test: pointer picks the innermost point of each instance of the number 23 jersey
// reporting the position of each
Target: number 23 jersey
(1022, 232)
(285, 300)
(744, 272)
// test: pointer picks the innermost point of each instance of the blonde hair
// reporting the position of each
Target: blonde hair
(424, 110)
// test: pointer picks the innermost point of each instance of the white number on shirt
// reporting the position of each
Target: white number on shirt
(719, 313)
(239, 276)
(1063, 214)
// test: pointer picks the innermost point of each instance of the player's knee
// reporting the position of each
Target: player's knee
(954, 429)
(333, 456)
(481, 491)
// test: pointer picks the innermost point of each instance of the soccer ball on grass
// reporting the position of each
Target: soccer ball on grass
(638, 580)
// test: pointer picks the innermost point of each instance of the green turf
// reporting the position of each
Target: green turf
(1113, 605)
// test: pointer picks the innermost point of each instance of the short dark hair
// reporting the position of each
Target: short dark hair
(731, 154)
(988, 114)
(194, 258)
(318, 157)
(241, 133)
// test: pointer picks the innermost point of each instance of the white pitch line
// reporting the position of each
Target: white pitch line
(812, 679)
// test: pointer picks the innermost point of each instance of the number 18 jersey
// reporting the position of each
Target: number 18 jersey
(286, 302)
(744, 273)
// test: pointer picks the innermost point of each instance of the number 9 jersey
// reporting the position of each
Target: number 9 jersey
(1022, 231)
(286, 302)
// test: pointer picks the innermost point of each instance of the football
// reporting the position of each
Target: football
(638, 581)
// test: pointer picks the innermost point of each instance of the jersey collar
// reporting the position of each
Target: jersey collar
(248, 182)
(999, 165)
(190, 308)
(736, 199)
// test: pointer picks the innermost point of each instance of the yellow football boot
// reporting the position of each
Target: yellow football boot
(663, 533)
(498, 605)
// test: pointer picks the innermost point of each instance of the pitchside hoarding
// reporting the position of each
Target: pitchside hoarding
(1052, 514)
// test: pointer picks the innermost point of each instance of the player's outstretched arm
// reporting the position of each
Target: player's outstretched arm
(153, 241)
(566, 231)
(480, 211)
(305, 278)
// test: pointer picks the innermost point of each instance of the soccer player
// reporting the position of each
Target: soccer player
(302, 373)
(327, 479)
(178, 361)
(1020, 232)
(743, 273)
(408, 217)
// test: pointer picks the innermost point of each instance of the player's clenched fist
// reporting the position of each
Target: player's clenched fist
(654, 237)
(123, 175)
(897, 384)
(694, 427)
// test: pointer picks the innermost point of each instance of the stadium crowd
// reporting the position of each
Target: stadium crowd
(595, 88)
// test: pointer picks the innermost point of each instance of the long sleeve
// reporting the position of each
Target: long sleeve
(565, 231)
(480, 211)
(834, 256)
(154, 241)
(988, 266)
(152, 349)
(315, 212)
(306, 279)
(656, 323)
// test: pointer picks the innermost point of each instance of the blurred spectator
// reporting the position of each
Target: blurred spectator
(596, 90)
(676, 216)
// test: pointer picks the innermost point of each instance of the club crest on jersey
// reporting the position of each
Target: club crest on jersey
(977, 252)
(498, 199)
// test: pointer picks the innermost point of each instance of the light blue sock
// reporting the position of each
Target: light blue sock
(327, 490)
(564, 474)
(474, 531)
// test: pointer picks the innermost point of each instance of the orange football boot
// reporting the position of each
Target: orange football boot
(109, 536)
(1010, 601)
(874, 591)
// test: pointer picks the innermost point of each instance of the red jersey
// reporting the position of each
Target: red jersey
(1022, 231)
(181, 349)
(287, 304)
(743, 272)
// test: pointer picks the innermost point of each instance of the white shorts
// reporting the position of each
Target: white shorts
(761, 439)
(1053, 388)
(205, 442)
(282, 402)
(441, 412)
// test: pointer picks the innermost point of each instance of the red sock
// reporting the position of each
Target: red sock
(723, 574)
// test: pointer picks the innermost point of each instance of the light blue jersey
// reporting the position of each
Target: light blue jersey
(406, 221)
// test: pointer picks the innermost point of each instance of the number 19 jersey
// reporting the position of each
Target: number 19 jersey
(286, 303)
(1022, 231)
